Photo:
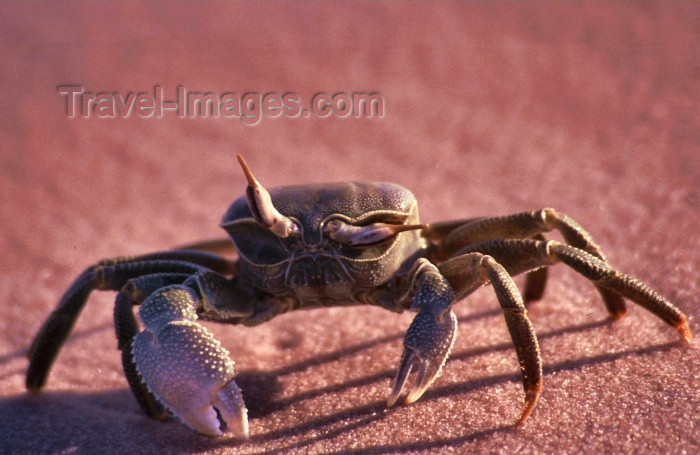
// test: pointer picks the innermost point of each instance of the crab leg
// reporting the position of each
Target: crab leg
(470, 271)
(521, 226)
(110, 274)
(519, 256)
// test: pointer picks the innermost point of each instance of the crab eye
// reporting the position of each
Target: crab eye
(264, 212)
(365, 236)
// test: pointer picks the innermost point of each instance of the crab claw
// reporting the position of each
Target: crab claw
(427, 344)
(185, 367)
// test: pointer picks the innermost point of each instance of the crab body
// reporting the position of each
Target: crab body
(312, 269)
(325, 245)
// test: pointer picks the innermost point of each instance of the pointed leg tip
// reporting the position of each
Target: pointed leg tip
(531, 397)
(617, 315)
(523, 416)
(405, 366)
(412, 398)
(418, 391)
(684, 329)
(391, 401)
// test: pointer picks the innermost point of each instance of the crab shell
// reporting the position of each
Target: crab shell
(312, 261)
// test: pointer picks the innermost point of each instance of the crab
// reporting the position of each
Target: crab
(322, 245)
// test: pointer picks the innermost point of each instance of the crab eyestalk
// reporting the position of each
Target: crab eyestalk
(372, 234)
(260, 204)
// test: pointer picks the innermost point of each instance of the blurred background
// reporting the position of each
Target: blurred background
(488, 108)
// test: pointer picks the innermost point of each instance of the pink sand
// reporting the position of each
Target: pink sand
(491, 108)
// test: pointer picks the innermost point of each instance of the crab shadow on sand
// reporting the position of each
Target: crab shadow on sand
(261, 388)
(351, 418)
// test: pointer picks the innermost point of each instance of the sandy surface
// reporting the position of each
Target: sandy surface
(489, 109)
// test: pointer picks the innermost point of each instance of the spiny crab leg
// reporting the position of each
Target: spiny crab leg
(260, 204)
(185, 367)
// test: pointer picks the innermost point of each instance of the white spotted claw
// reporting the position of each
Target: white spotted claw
(185, 367)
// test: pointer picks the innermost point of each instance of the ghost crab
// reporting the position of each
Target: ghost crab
(321, 245)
